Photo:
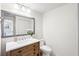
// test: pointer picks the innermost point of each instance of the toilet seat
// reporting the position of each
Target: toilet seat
(46, 50)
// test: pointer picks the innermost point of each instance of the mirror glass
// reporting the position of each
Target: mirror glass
(16, 25)
(8, 27)
(23, 25)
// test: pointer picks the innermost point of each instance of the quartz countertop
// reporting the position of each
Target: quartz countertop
(15, 45)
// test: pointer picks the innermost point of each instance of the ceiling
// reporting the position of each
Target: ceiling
(42, 7)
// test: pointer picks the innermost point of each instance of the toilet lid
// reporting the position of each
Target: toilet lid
(45, 48)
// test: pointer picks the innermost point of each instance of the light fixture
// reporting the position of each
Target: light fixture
(23, 8)
(28, 10)
(16, 6)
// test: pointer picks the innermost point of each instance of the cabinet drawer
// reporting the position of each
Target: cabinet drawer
(36, 44)
(7, 53)
(29, 50)
(16, 52)
(29, 53)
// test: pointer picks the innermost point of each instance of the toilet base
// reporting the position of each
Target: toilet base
(46, 50)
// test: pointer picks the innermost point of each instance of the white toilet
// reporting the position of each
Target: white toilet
(45, 49)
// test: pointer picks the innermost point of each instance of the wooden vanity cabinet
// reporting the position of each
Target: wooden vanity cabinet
(30, 50)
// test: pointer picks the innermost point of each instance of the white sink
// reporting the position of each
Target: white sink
(11, 45)
(18, 44)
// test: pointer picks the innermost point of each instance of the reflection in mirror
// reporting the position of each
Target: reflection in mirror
(8, 27)
(23, 25)
(16, 25)
(7, 24)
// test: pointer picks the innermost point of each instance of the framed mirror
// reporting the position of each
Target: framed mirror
(16, 25)
(23, 25)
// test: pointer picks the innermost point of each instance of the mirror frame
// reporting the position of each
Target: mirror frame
(14, 29)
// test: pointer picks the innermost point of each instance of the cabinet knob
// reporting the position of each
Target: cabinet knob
(34, 49)
(33, 45)
(34, 53)
(19, 51)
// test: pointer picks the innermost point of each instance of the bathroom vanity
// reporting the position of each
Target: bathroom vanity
(26, 48)
(15, 26)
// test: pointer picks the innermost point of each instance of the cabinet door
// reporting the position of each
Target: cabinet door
(37, 49)
(30, 50)
(7, 53)
(17, 52)
(29, 53)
